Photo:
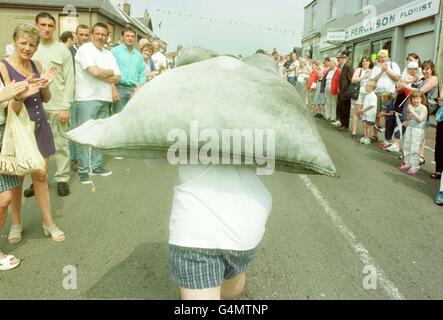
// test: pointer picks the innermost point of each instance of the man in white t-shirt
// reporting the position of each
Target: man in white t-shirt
(95, 71)
(386, 74)
(218, 220)
(159, 58)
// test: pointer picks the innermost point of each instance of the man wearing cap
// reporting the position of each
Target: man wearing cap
(344, 100)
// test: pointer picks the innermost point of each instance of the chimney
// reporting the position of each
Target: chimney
(127, 8)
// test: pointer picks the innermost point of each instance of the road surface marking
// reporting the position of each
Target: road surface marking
(429, 149)
(387, 285)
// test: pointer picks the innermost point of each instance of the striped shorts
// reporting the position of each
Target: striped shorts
(194, 268)
(7, 182)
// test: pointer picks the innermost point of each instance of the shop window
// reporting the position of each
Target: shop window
(360, 50)
(381, 44)
(314, 16)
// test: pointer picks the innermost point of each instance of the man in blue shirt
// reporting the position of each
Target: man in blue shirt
(132, 67)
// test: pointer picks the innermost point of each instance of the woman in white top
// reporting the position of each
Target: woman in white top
(281, 65)
(331, 100)
(412, 57)
(362, 75)
(302, 72)
(11, 94)
(292, 70)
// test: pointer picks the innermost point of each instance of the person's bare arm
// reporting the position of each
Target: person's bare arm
(114, 79)
(377, 77)
(393, 76)
(16, 105)
(46, 93)
(355, 77)
(433, 82)
(367, 108)
(420, 117)
(100, 73)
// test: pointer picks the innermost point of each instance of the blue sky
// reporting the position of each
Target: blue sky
(222, 36)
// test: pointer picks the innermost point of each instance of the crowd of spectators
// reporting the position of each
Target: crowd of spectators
(392, 107)
(63, 83)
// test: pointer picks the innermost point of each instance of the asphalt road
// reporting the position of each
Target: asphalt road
(324, 236)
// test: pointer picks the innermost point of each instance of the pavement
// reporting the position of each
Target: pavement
(371, 233)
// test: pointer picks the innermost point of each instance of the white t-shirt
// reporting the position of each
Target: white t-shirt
(159, 60)
(219, 207)
(385, 84)
(360, 72)
(296, 65)
(87, 87)
(329, 78)
(3, 106)
(370, 100)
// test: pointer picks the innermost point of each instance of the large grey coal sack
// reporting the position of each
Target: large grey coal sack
(262, 61)
(220, 93)
(193, 55)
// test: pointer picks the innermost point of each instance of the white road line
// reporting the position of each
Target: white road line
(387, 285)
(429, 149)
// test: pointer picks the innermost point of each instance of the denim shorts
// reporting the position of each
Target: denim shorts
(194, 268)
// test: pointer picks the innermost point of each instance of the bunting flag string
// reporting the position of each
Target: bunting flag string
(232, 22)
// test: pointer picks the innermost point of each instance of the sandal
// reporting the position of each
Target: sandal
(55, 233)
(15, 234)
(6, 264)
(436, 175)
(422, 161)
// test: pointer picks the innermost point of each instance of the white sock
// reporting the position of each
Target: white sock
(441, 185)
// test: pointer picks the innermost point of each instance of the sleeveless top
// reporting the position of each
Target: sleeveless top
(37, 114)
(413, 123)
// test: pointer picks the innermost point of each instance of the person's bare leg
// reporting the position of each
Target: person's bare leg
(355, 119)
(200, 294)
(16, 203)
(40, 182)
(232, 288)
(5, 200)
(371, 132)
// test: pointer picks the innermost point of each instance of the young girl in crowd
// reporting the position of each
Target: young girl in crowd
(311, 86)
(362, 75)
(415, 132)
(369, 112)
(388, 112)
(320, 98)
